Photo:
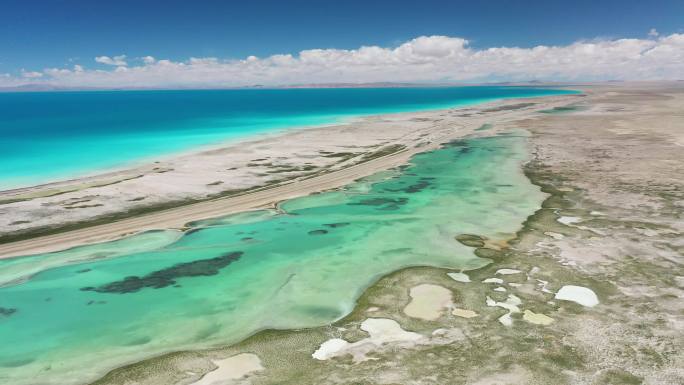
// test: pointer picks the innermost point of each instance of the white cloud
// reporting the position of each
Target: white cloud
(31, 74)
(424, 59)
(112, 61)
(653, 33)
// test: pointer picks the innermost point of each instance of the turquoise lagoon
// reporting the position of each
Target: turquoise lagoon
(47, 136)
(69, 317)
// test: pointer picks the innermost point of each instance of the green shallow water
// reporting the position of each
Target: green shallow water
(70, 316)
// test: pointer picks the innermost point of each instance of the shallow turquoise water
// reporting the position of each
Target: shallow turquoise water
(49, 136)
(71, 316)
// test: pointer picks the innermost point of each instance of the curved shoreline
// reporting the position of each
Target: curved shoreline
(448, 171)
(433, 128)
(363, 303)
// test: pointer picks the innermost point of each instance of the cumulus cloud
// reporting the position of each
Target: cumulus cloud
(112, 61)
(148, 59)
(423, 59)
(31, 74)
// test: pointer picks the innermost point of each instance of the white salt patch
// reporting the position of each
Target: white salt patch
(372, 309)
(459, 277)
(578, 294)
(542, 286)
(446, 336)
(511, 304)
(231, 368)
(502, 289)
(381, 331)
(507, 271)
(506, 319)
(493, 280)
(513, 284)
(596, 213)
(513, 301)
(556, 236)
(568, 220)
(330, 348)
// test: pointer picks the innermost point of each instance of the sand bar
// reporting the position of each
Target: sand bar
(336, 155)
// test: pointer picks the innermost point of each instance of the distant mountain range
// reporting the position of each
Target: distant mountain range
(42, 87)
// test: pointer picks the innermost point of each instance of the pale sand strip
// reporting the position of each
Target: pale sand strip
(178, 217)
(231, 368)
(441, 130)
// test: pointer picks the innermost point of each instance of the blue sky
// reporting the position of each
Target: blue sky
(210, 43)
(55, 33)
